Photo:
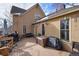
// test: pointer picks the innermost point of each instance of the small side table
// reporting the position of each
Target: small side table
(42, 40)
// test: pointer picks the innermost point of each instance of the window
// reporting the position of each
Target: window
(37, 16)
(64, 29)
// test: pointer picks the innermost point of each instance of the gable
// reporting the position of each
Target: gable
(37, 7)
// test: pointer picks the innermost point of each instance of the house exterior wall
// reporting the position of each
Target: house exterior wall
(75, 27)
(15, 23)
(52, 28)
(27, 19)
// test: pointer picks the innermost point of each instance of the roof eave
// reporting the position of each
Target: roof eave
(16, 14)
(56, 15)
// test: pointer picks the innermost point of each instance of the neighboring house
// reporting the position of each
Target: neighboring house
(23, 19)
(63, 24)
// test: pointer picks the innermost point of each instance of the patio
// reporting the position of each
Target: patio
(28, 47)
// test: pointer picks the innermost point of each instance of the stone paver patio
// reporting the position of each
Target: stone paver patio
(28, 47)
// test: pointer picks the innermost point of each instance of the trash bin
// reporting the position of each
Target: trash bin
(54, 42)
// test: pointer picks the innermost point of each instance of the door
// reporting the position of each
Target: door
(43, 29)
(24, 29)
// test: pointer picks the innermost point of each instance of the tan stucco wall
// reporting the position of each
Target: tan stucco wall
(27, 19)
(15, 25)
(52, 28)
(75, 27)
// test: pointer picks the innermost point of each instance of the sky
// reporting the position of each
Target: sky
(5, 9)
(48, 7)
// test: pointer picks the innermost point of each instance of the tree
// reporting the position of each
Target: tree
(7, 22)
(8, 16)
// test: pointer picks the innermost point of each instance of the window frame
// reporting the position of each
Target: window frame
(64, 30)
(37, 16)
